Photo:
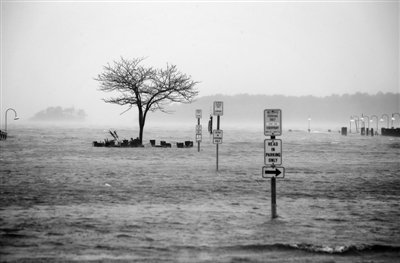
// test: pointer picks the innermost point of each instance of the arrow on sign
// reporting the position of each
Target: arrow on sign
(276, 172)
(268, 172)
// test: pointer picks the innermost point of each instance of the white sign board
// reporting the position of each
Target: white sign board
(272, 122)
(198, 114)
(217, 136)
(198, 129)
(218, 108)
(198, 137)
(272, 152)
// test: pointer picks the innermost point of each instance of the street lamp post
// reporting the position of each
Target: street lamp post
(356, 122)
(367, 121)
(362, 119)
(393, 114)
(15, 117)
(362, 128)
(374, 116)
(387, 118)
(351, 120)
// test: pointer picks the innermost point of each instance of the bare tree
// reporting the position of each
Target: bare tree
(148, 88)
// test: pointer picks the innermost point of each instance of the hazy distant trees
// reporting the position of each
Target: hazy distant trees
(333, 109)
(147, 88)
(60, 114)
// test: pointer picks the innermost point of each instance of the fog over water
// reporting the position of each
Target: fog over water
(241, 111)
(53, 50)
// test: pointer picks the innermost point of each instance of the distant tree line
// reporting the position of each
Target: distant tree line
(334, 108)
(60, 114)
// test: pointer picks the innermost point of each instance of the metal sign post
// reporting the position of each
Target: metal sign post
(218, 134)
(198, 129)
(273, 152)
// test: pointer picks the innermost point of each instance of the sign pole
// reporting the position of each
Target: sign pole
(198, 141)
(217, 157)
(273, 152)
(273, 197)
(273, 191)
(218, 134)
(198, 128)
(217, 143)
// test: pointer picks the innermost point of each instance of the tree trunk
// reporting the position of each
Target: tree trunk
(141, 128)
(142, 121)
(141, 125)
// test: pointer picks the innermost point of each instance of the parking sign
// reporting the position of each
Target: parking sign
(217, 136)
(218, 108)
(198, 114)
(272, 122)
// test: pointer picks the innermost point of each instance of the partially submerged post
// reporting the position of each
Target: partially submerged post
(273, 152)
(218, 134)
(198, 129)
(273, 197)
(3, 135)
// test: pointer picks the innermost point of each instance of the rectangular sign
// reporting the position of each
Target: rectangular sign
(198, 114)
(272, 122)
(198, 137)
(217, 136)
(198, 129)
(269, 172)
(218, 108)
(272, 152)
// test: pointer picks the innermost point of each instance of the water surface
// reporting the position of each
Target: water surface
(63, 199)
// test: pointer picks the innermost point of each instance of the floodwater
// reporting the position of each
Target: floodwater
(64, 200)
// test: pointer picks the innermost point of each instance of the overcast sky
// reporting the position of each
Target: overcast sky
(52, 50)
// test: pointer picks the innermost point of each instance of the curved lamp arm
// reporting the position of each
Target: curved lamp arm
(15, 117)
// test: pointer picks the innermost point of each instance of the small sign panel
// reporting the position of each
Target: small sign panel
(272, 122)
(198, 129)
(272, 152)
(269, 172)
(198, 137)
(198, 114)
(218, 108)
(217, 136)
